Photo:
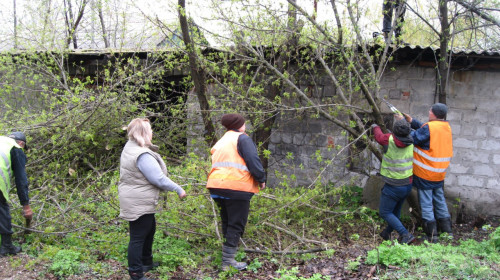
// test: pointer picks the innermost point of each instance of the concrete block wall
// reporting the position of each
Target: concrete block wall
(303, 151)
(473, 177)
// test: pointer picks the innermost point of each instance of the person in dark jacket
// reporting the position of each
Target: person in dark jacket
(432, 156)
(396, 170)
(236, 175)
(143, 174)
(12, 160)
(388, 9)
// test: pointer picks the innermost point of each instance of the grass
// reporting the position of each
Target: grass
(468, 260)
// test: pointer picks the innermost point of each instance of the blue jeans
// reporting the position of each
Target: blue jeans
(391, 201)
(432, 202)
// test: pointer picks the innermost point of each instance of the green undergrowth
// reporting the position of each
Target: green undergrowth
(80, 232)
(468, 260)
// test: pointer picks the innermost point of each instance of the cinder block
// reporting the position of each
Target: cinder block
(481, 131)
(275, 137)
(496, 93)
(395, 94)
(496, 159)
(422, 86)
(454, 115)
(470, 181)
(471, 157)
(456, 128)
(298, 139)
(468, 132)
(463, 103)
(465, 143)
(414, 73)
(484, 170)
(490, 145)
(459, 169)
(429, 74)
(494, 131)
(287, 138)
(403, 84)
(493, 183)
(388, 83)
(477, 117)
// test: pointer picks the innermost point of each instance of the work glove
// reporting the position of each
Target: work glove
(27, 213)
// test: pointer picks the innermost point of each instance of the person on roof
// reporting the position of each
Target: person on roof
(390, 7)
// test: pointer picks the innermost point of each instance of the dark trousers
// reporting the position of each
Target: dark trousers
(5, 218)
(234, 217)
(388, 9)
(140, 247)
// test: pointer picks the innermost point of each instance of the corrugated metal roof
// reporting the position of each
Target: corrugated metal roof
(457, 51)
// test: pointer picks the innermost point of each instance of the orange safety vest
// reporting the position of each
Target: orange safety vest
(431, 164)
(229, 170)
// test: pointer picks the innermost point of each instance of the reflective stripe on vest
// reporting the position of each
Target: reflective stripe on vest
(431, 164)
(397, 163)
(229, 170)
(6, 144)
(230, 164)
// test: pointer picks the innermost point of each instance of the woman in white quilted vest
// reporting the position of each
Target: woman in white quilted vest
(143, 175)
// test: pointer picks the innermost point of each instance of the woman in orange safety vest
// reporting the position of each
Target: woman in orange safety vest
(236, 175)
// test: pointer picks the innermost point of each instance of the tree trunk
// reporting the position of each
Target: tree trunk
(444, 37)
(71, 23)
(15, 26)
(198, 75)
(103, 26)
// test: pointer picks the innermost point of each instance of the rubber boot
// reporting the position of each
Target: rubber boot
(148, 267)
(386, 234)
(228, 261)
(444, 225)
(407, 238)
(430, 228)
(138, 276)
(148, 264)
(7, 248)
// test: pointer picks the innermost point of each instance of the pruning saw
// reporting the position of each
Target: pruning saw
(393, 109)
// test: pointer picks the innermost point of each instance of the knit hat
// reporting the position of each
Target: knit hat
(401, 128)
(232, 121)
(17, 135)
(439, 110)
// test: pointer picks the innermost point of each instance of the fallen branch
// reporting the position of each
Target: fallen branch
(298, 252)
(303, 240)
(55, 232)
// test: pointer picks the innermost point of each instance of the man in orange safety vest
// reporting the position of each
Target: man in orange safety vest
(432, 154)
